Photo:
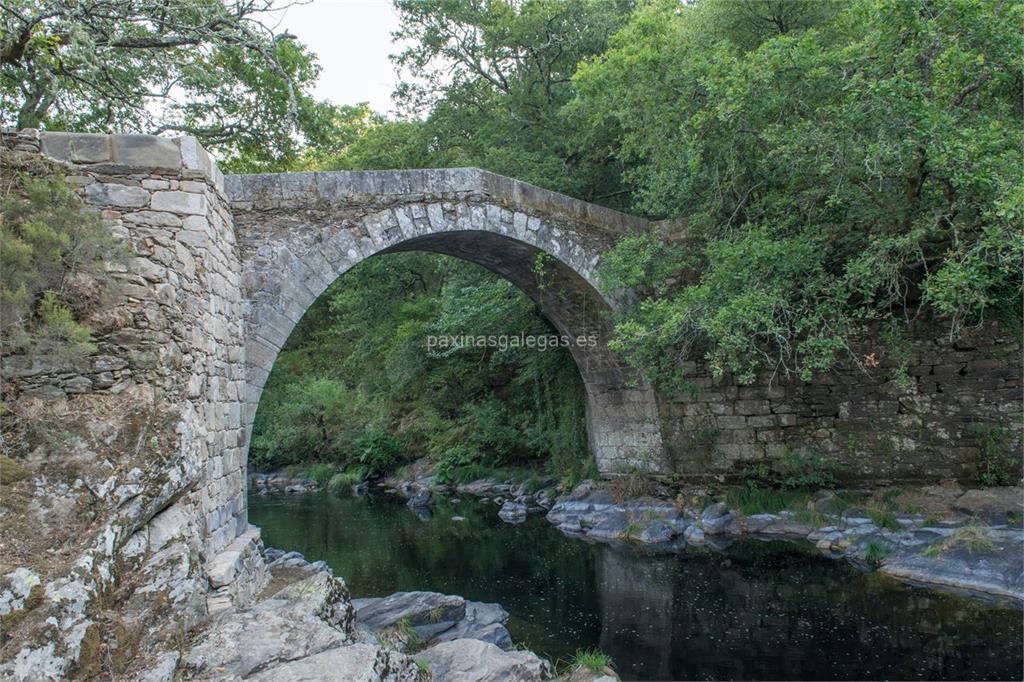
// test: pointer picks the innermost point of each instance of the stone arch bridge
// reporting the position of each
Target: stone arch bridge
(220, 269)
(298, 232)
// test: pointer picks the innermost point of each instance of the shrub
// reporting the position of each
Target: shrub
(377, 450)
(320, 472)
(997, 465)
(806, 469)
(48, 243)
(344, 480)
(971, 538)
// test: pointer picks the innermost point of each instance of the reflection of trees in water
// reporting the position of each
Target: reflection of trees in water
(762, 611)
(765, 611)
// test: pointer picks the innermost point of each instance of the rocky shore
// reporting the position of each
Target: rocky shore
(306, 626)
(968, 541)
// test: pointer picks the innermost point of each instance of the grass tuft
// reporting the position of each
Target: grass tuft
(592, 659)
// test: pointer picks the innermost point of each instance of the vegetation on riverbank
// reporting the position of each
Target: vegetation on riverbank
(357, 389)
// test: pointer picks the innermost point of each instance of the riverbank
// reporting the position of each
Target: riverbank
(305, 625)
(940, 536)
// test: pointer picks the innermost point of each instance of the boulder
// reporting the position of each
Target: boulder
(513, 512)
(656, 532)
(998, 572)
(421, 500)
(610, 526)
(470, 660)
(694, 536)
(992, 502)
(485, 622)
(303, 619)
(716, 518)
(429, 613)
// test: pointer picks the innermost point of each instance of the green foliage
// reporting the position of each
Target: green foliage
(217, 71)
(52, 261)
(320, 473)
(356, 386)
(591, 659)
(933, 551)
(343, 481)
(844, 166)
(997, 463)
(495, 77)
(806, 469)
(376, 450)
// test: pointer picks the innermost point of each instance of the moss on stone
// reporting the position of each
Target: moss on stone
(10, 471)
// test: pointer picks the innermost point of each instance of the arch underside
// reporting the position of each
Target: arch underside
(290, 258)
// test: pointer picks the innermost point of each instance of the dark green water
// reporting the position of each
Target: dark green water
(759, 611)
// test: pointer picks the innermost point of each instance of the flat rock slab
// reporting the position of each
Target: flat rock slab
(470, 660)
(998, 573)
(992, 501)
(353, 663)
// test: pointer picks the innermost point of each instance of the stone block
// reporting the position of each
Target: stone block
(112, 194)
(147, 151)
(186, 203)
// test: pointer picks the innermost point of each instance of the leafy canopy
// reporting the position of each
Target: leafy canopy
(842, 168)
(209, 68)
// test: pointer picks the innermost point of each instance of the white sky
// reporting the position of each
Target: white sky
(352, 41)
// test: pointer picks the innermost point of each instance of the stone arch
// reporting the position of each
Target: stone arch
(299, 232)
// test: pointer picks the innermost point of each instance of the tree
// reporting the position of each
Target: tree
(844, 171)
(207, 68)
(494, 77)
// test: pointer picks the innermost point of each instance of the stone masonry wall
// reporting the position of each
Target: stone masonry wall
(136, 470)
(176, 320)
(865, 422)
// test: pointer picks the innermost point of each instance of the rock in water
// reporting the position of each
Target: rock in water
(656, 533)
(513, 512)
(429, 613)
(716, 518)
(421, 500)
(470, 660)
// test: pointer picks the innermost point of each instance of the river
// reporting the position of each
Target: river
(756, 611)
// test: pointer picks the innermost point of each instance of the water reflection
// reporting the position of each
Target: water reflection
(758, 611)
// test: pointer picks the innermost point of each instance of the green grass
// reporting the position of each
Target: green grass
(592, 659)
(320, 472)
(752, 499)
(409, 634)
(422, 666)
(344, 480)
(883, 518)
(809, 517)
(971, 538)
(877, 552)
(934, 551)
